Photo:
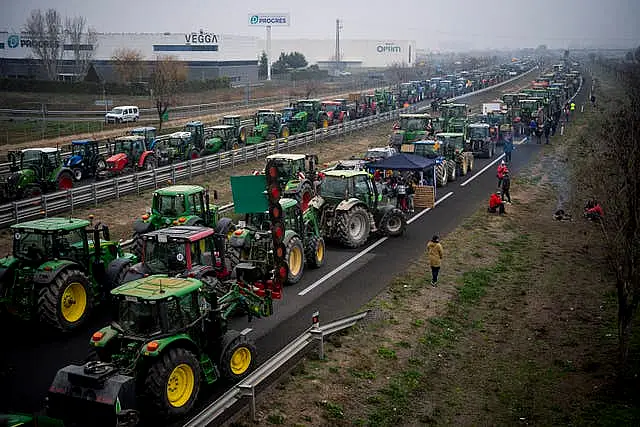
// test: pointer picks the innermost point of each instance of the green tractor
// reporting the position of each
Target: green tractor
(302, 240)
(316, 117)
(59, 270)
(456, 151)
(176, 205)
(268, 124)
(168, 340)
(349, 208)
(445, 163)
(175, 147)
(241, 130)
(219, 138)
(298, 174)
(453, 117)
(35, 171)
(411, 127)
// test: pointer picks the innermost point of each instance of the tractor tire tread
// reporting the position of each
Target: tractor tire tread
(342, 227)
(49, 298)
(231, 340)
(293, 242)
(310, 252)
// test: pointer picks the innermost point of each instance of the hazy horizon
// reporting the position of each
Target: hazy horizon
(456, 24)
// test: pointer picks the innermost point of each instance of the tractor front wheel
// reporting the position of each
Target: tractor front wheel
(238, 357)
(295, 260)
(305, 195)
(393, 223)
(353, 227)
(441, 175)
(77, 174)
(136, 245)
(66, 302)
(173, 382)
(315, 252)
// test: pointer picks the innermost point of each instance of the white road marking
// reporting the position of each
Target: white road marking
(360, 254)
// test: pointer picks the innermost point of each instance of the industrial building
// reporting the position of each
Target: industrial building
(207, 54)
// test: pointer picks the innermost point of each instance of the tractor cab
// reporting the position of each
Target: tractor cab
(452, 141)
(429, 148)
(268, 117)
(454, 111)
(42, 161)
(179, 205)
(149, 134)
(232, 120)
(196, 128)
(287, 114)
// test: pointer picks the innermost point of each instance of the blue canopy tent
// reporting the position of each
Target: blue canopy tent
(407, 162)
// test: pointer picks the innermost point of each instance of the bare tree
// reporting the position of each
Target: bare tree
(46, 39)
(610, 171)
(312, 88)
(83, 42)
(167, 75)
(128, 64)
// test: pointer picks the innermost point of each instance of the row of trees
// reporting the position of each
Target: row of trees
(285, 63)
(49, 33)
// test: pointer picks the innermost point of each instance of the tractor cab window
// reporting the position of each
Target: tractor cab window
(138, 319)
(427, 150)
(333, 187)
(32, 246)
(170, 206)
(292, 218)
(266, 119)
(161, 258)
(70, 245)
(285, 168)
(478, 133)
(259, 220)
(137, 147)
(197, 204)
(330, 107)
(182, 311)
(362, 188)
(412, 124)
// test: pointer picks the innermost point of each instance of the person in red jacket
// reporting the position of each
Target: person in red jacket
(496, 204)
(593, 211)
(502, 168)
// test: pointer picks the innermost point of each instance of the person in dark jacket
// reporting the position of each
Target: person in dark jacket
(506, 185)
(547, 131)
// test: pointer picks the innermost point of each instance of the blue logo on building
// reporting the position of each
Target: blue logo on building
(13, 41)
(254, 19)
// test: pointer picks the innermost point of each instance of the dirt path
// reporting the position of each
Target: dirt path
(520, 331)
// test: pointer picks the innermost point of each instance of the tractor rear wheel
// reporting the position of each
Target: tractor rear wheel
(32, 191)
(463, 167)
(65, 181)
(393, 223)
(295, 260)
(441, 175)
(353, 227)
(173, 382)
(238, 356)
(122, 274)
(452, 171)
(470, 162)
(315, 252)
(136, 245)
(66, 302)
(311, 126)
(150, 163)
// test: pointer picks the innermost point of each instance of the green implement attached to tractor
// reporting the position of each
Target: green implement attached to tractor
(176, 205)
(35, 171)
(349, 208)
(302, 240)
(59, 270)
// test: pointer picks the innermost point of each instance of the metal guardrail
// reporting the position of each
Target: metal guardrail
(62, 201)
(247, 388)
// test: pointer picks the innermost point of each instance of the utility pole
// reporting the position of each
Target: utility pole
(338, 28)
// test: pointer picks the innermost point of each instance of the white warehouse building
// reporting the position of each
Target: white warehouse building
(207, 55)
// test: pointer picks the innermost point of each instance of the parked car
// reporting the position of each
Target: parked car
(127, 113)
(379, 153)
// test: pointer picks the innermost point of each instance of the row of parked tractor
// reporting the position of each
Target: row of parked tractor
(186, 272)
(35, 171)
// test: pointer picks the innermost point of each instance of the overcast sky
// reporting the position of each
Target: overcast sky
(432, 24)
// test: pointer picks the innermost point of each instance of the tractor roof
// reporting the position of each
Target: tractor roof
(453, 104)
(130, 138)
(308, 100)
(41, 150)
(449, 134)
(266, 110)
(193, 123)
(158, 287)
(52, 224)
(287, 203)
(82, 141)
(224, 127)
(425, 142)
(479, 125)
(232, 116)
(330, 102)
(179, 189)
(143, 129)
(345, 173)
(340, 100)
(180, 134)
(182, 233)
(285, 156)
(415, 116)
(288, 109)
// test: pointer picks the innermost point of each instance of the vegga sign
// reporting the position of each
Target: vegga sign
(269, 19)
(201, 38)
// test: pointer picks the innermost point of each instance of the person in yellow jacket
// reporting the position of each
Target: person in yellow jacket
(435, 252)
(573, 106)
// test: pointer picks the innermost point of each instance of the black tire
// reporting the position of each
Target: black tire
(452, 172)
(77, 174)
(239, 345)
(315, 252)
(305, 195)
(441, 176)
(311, 126)
(52, 299)
(122, 275)
(158, 381)
(346, 223)
(136, 246)
(393, 223)
(295, 257)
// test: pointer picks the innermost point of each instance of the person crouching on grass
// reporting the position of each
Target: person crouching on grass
(496, 204)
(435, 252)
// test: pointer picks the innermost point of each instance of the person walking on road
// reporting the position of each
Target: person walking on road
(533, 125)
(547, 131)
(435, 252)
(506, 186)
(502, 167)
(507, 146)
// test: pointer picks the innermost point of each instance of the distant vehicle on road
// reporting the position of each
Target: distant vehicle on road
(127, 113)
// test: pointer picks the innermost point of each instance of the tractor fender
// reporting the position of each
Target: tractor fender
(114, 268)
(288, 235)
(72, 161)
(143, 157)
(141, 226)
(194, 220)
(179, 340)
(346, 205)
(199, 271)
(381, 212)
(48, 271)
(62, 170)
(316, 202)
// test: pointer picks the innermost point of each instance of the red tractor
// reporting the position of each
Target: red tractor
(334, 112)
(130, 153)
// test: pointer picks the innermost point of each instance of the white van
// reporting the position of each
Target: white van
(127, 113)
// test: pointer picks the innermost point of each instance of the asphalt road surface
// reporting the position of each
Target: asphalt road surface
(350, 278)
